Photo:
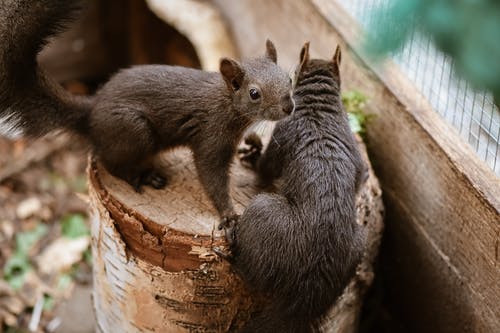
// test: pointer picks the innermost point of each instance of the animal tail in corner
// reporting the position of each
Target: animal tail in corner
(31, 103)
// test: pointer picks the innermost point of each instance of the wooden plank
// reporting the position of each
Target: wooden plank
(152, 41)
(451, 196)
(418, 282)
(448, 200)
(109, 35)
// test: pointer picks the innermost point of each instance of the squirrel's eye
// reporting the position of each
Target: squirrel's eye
(254, 94)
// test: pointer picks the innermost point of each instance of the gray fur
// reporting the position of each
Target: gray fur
(141, 111)
(301, 245)
(9, 126)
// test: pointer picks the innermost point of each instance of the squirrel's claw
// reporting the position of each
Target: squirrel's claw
(250, 155)
(228, 223)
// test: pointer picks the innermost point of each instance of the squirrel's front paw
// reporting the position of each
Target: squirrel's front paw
(250, 155)
(228, 223)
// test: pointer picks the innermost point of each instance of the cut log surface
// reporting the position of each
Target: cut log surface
(154, 265)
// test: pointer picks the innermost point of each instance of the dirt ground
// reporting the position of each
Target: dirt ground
(45, 259)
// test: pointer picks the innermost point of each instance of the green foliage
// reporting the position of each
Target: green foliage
(467, 30)
(74, 226)
(25, 240)
(18, 265)
(87, 256)
(79, 184)
(64, 281)
(48, 302)
(354, 103)
(15, 270)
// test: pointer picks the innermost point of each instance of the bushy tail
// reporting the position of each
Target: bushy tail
(31, 103)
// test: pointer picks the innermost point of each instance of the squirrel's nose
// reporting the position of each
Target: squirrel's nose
(287, 104)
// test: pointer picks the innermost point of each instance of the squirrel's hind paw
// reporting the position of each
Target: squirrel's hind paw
(148, 178)
(154, 179)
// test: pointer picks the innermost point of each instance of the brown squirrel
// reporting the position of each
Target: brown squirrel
(300, 246)
(140, 111)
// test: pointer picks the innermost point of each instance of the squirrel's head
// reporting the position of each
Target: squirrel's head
(308, 67)
(260, 89)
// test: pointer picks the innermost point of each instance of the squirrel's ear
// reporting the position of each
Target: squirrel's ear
(271, 51)
(337, 56)
(304, 55)
(232, 73)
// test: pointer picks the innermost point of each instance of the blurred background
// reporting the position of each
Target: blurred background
(414, 78)
(45, 257)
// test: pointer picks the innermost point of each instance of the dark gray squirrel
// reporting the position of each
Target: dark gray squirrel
(142, 110)
(301, 245)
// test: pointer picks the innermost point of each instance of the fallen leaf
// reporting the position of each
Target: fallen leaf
(53, 324)
(74, 226)
(8, 318)
(12, 304)
(64, 284)
(62, 254)
(15, 270)
(84, 197)
(7, 229)
(5, 289)
(28, 207)
(25, 240)
(48, 303)
(32, 289)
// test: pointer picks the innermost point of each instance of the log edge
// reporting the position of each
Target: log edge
(151, 242)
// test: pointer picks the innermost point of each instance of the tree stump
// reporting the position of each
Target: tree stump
(154, 267)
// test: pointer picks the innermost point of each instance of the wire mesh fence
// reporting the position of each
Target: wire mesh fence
(473, 113)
